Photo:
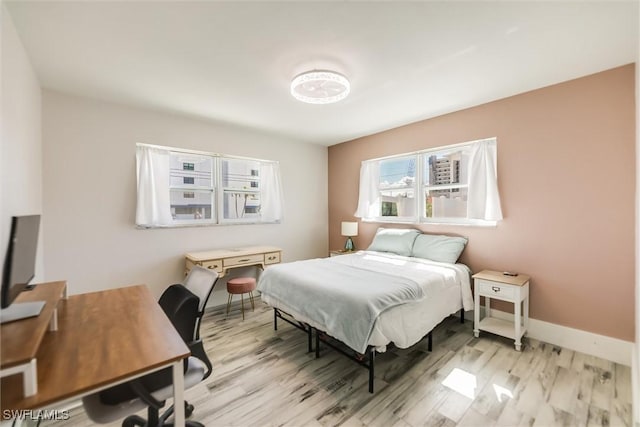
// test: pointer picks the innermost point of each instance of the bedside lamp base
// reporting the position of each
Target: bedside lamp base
(348, 245)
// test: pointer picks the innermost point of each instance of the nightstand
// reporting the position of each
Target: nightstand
(514, 289)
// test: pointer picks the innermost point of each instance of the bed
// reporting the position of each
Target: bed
(390, 293)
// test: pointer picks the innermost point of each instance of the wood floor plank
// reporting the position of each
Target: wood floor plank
(494, 397)
(564, 390)
(603, 388)
(511, 417)
(550, 416)
(473, 418)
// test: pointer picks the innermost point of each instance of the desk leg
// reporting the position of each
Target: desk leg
(29, 373)
(517, 324)
(30, 379)
(53, 323)
(178, 393)
(526, 313)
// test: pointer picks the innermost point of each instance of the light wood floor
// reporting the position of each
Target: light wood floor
(266, 378)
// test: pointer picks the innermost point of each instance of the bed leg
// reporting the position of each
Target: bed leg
(430, 341)
(317, 344)
(275, 319)
(372, 358)
(462, 315)
(309, 338)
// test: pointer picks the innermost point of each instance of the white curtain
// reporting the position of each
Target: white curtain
(152, 173)
(369, 197)
(271, 193)
(483, 199)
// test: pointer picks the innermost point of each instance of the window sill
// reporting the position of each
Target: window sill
(444, 222)
(207, 224)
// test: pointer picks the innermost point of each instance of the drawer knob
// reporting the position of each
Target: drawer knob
(211, 267)
(495, 289)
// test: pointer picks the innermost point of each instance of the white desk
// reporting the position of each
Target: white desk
(222, 260)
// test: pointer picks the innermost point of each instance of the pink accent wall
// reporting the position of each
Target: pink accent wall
(566, 173)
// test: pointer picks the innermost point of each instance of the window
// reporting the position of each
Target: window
(433, 186)
(204, 188)
(241, 189)
(196, 174)
(397, 187)
(445, 183)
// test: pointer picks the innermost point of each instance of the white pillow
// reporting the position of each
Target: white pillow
(438, 248)
(396, 240)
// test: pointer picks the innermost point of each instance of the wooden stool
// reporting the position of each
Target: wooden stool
(241, 285)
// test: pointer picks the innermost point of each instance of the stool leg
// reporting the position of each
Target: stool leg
(242, 302)
(229, 303)
(253, 307)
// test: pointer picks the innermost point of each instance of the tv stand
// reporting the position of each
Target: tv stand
(21, 310)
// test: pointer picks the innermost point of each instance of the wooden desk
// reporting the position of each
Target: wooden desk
(103, 338)
(222, 260)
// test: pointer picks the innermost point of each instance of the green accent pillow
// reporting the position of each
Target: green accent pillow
(396, 240)
(438, 248)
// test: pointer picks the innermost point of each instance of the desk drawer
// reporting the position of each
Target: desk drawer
(272, 258)
(495, 289)
(214, 264)
(244, 260)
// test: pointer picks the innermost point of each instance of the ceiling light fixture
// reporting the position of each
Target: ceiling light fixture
(320, 87)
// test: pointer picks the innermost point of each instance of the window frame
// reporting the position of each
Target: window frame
(415, 187)
(421, 188)
(216, 188)
(225, 190)
(194, 188)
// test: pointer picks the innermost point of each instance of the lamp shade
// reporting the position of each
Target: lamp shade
(349, 228)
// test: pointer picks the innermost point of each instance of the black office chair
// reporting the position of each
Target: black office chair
(181, 307)
(200, 281)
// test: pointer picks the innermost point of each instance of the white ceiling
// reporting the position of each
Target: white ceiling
(233, 61)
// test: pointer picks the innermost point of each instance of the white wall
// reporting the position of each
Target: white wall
(21, 148)
(90, 194)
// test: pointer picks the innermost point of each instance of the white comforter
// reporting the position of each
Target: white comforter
(445, 289)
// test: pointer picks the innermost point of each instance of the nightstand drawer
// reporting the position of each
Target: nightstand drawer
(241, 260)
(496, 290)
(272, 258)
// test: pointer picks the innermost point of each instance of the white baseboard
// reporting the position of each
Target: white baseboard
(635, 384)
(613, 349)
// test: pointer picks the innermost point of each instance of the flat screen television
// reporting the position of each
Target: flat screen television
(19, 268)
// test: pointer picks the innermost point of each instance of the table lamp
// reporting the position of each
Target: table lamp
(349, 229)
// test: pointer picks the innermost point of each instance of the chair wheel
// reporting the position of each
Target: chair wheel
(134, 421)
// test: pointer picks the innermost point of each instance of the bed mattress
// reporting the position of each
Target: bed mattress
(445, 289)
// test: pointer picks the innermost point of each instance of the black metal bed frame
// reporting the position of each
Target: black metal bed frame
(300, 325)
(366, 360)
